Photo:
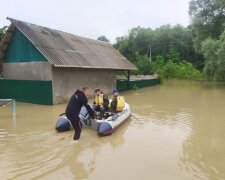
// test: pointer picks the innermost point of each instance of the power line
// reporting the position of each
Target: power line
(151, 44)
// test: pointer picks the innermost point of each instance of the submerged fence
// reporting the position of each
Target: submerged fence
(124, 85)
(5, 102)
(40, 92)
(37, 92)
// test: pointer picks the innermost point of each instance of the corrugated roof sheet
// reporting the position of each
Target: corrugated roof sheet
(68, 50)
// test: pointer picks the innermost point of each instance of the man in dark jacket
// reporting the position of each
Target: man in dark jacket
(101, 102)
(78, 100)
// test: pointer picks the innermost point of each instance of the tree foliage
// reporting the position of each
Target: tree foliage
(103, 38)
(208, 20)
(201, 45)
(165, 41)
(169, 46)
(214, 53)
(144, 65)
(2, 32)
(182, 70)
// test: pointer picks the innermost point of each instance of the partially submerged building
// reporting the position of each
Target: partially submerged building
(42, 65)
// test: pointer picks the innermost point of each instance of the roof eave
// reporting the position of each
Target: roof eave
(92, 67)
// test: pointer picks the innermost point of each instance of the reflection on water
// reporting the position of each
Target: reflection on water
(176, 132)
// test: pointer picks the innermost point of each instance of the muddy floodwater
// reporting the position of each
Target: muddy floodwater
(176, 132)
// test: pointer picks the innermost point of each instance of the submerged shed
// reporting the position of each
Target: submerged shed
(42, 65)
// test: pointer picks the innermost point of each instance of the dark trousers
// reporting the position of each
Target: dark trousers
(77, 126)
(100, 109)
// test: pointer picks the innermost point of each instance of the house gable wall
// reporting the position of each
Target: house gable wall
(20, 49)
(65, 80)
(27, 71)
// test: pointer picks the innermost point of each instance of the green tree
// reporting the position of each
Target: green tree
(2, 32)
(162, 41)
(214, 53)
(159, 61)
(208, 20)
(183, 70)
(123, 46)
(145, 66)
(103, 38)
(176, 38)
(174, 55)
(136, 43)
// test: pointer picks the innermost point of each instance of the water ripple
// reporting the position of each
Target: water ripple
(35, 152)
(182, 118)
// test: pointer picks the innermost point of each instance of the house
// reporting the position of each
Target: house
(42, 65)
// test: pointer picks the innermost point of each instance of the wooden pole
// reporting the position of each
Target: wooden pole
(128, 79)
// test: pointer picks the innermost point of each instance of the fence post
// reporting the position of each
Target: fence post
(14, 107)
(128, 80)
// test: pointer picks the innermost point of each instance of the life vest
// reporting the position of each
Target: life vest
(120, 103)
(99, 100)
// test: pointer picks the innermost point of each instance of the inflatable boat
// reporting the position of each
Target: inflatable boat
(109, 124)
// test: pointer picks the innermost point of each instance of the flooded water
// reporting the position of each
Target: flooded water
(176, 132)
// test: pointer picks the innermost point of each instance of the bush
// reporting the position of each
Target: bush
(171, 69)
(145, 66)
(183, 70)
(159, 61)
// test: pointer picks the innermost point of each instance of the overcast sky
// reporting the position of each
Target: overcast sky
(92, 18)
